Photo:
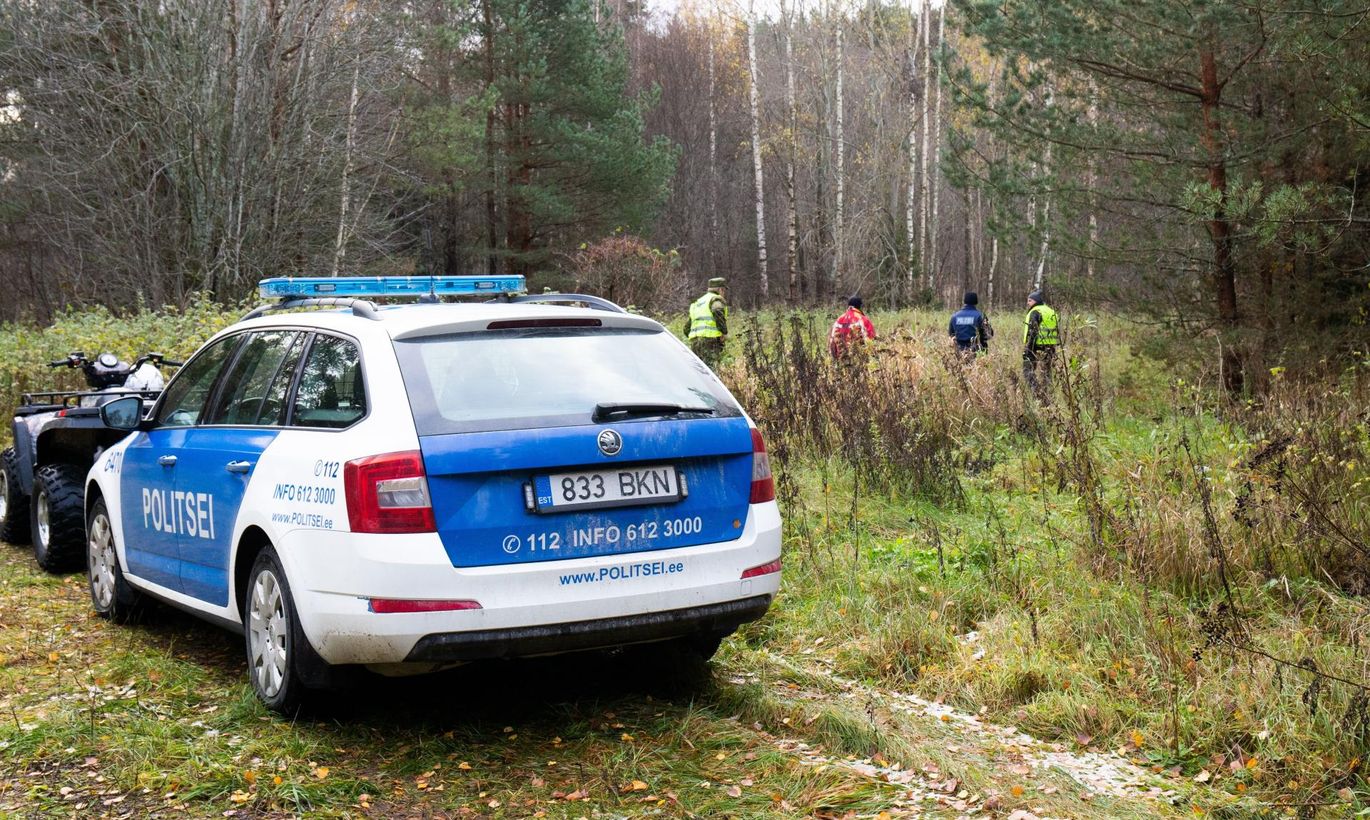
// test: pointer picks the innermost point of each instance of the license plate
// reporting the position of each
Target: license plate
(622, 487)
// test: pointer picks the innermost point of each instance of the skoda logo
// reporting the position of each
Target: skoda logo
(610, 442)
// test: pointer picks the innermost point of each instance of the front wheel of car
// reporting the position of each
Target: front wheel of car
(58, 517)
(14, 503)
(114, 599)
(280, 661)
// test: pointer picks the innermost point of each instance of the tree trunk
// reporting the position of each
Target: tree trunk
(1092, 180)
(491, 166)
(754, 93)
(713, 161)
(345, 197)
(792, 144)
(1219, 228)
(936, 158)
(840, 147)
(925, 156)
(911, 205)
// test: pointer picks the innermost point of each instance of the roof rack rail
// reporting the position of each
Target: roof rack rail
(364, 308)
(596, 302)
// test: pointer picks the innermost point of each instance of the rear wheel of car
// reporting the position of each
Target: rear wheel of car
(14, 503)
(283, 667)
(114, 599)
(58, 517)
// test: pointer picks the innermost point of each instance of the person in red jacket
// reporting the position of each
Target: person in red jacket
(851, 328)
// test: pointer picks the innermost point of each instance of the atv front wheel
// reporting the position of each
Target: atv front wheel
(14, 504)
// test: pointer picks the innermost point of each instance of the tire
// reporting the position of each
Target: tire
(14, 503)
(283, 667)
(112, 596)
(58, 517)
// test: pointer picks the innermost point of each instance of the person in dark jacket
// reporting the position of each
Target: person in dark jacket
(969, 328)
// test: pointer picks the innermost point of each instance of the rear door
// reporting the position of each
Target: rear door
(218, 456)
(552, 443)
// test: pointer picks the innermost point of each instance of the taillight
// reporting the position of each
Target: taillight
(764, 569)
(388, 494)
(763, 485)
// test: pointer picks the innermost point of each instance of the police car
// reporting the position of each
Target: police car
(413, 486)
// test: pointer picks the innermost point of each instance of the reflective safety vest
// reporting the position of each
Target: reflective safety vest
(702, 324)
(1047, 333)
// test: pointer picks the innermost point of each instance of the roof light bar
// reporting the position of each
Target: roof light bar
(285, 287)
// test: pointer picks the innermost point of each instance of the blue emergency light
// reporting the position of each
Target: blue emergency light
(287, 287)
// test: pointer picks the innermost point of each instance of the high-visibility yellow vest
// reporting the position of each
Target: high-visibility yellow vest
(702, 324)
(1047, 333)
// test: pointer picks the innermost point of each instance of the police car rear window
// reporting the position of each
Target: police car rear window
(550, 377)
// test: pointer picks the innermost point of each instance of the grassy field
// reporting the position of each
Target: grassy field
(1162, 587)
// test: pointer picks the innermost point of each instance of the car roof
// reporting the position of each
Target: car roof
(402, 321)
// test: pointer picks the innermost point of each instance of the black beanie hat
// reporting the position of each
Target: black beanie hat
(972, 298)
(855, 302)
(1037, 297)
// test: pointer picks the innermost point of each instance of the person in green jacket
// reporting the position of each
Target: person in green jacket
(706, 329)
(1041, 337)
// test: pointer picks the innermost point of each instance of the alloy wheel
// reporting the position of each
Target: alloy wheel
(100, 551)
(268, 630)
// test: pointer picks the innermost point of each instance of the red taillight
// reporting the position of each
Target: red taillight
(763, 485)
(764, 569)
(388, 494)
(399, 605)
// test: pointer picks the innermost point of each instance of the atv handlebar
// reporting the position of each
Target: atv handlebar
(157, 360)
(72, 360)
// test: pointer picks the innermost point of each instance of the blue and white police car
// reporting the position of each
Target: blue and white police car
(412, 486)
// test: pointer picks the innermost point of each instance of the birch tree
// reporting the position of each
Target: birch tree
(763, 279)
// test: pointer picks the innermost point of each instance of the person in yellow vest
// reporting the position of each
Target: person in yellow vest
(706, 329)
(1041, 337)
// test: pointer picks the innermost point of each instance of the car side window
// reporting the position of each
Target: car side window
(332, 392)
(183, 402)
(253, 391)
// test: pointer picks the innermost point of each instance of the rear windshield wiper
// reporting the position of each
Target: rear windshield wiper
(611, 409)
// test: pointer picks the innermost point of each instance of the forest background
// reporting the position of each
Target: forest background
(1193, 164)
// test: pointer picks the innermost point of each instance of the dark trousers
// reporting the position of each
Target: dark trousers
(708, 348)
(1037, 365)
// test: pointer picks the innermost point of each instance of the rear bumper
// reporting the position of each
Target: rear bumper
(525, 609)
(526, 641)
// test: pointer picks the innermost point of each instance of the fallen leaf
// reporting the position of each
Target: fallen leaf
(1017, 791)
(321, 772)
(464, 766)
(1202, 777)
(734, 791)
(637, 786)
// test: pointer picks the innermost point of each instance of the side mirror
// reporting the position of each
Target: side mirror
(122, 414)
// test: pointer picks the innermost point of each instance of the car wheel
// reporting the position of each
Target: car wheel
(280, 661)
(58, 517)
(113, 597)
(14, 504)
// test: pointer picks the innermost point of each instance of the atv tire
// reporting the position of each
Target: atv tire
(59, 517)
(14, 503)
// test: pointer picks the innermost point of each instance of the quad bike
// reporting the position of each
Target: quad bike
(58, 435)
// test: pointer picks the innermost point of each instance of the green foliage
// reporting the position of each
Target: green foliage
(25, 351)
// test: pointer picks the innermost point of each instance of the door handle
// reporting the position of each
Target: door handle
(167, 461)
(238, 466)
